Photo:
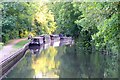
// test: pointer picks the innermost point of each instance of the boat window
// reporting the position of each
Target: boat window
(35, 40)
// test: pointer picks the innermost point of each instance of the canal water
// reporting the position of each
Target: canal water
(66, 60)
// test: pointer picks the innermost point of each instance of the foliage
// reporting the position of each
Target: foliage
(87, 22)
(23, 18)
(65, 15)
(94, 21)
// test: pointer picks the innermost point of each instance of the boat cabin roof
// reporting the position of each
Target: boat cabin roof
(54, 35)
(37, 37)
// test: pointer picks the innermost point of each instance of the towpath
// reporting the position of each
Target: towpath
(8, 49)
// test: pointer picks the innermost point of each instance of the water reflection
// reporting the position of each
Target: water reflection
(35, 49)
(55, 44)
(39, 61)
(64, 60)
(45, 63)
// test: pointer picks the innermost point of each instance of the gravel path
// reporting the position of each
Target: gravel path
(8, 50)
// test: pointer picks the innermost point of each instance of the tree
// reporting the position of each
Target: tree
(20, 19)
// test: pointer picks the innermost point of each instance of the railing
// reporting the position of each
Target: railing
(7, 65)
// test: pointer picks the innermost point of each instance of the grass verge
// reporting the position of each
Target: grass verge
(1, 45)
(20, 44)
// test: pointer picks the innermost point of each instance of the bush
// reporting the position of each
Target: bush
(5, 38)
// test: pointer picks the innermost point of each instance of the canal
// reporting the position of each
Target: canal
(66, 60)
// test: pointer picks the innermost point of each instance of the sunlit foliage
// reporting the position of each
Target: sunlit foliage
(19, 19)
(45, 20)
